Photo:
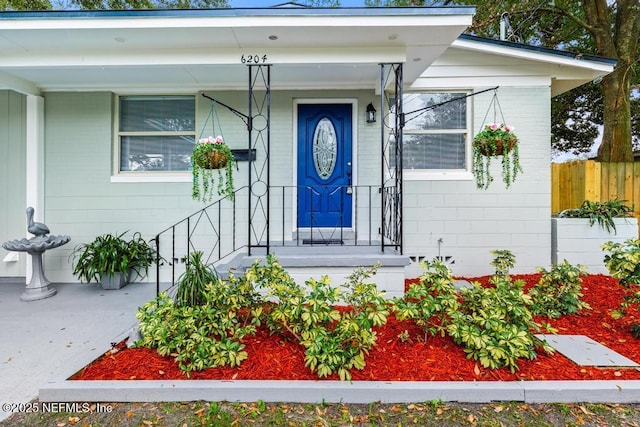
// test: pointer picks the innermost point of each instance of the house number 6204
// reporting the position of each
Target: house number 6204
(253, 59)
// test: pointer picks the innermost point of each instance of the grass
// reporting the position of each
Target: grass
(432, 413)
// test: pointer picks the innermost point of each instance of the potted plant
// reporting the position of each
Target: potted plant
(495, 140)
(575, 237)
(211, 161)
(112, 260)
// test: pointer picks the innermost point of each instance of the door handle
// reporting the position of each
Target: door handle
(349, 186)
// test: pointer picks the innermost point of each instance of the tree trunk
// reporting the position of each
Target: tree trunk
(616, 138)
(619, 41)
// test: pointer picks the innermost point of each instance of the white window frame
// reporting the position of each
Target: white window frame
(444, 174)
(147, 176)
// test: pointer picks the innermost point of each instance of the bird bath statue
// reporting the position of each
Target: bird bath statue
(38, 287)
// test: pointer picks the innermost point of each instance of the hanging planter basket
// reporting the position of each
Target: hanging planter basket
(213, 160)
(212, 165)
(495, 147)
(495, 140)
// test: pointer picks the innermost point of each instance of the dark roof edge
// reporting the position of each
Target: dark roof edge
(248, 11)
(538, 49)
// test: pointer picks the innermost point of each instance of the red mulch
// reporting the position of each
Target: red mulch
(436, 359)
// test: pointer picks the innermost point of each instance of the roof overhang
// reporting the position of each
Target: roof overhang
(566, 70)
(185, 50)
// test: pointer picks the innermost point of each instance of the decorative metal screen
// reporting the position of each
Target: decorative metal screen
(391, 138)
(259, 140)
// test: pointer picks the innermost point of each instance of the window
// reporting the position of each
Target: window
(155, 133)
(435, 139)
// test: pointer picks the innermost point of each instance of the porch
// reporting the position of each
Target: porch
(232, 237)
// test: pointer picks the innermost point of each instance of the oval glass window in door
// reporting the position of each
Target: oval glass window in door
(325, 148)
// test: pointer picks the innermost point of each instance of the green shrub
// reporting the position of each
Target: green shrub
(623, 263)
(494, 324)
(201, 336)
(431, 301)
(558, 291)
(601, 212)
(503, 261)
(334, 340)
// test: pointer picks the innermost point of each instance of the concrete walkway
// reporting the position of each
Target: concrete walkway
(46, 340)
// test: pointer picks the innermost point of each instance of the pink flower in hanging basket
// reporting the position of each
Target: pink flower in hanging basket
(211, 140)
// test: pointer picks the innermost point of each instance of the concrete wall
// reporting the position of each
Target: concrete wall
(472, 222)
(12, 178)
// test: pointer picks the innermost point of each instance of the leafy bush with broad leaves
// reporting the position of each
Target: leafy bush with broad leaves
(623, 263)
(205, 335)
(504, 260)
(494, 324)
(334, 340)
(431, 301)
(559, 291)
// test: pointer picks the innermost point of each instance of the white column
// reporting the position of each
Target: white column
(35, 161)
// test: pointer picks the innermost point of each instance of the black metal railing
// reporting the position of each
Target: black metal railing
(220, 230)
(214, 230)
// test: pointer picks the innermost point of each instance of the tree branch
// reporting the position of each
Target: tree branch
(562, 12)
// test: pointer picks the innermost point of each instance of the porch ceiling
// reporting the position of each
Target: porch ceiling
(196, 50)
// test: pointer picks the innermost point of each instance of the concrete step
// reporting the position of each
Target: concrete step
(337, 262)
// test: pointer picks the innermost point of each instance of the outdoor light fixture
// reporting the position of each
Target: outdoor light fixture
(371, 113)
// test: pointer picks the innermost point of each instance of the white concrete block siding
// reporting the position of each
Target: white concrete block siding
(81, 200)
(473, 222)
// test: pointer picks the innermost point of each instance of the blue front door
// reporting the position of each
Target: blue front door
(324, 165)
